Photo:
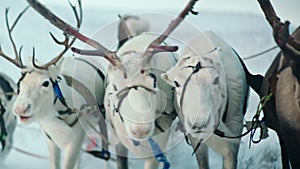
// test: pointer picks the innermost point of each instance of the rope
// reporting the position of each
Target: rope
(255, 123)
(260, 53)
(29, 153)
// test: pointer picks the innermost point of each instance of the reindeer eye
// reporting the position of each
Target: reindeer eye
(45, 84)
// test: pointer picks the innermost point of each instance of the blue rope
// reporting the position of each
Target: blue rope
(159, 156)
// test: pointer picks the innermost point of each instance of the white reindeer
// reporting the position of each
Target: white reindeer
(135, 103)
(129, 26)
(135, 98)
(47, 96)
(211, 92)
(8, 122)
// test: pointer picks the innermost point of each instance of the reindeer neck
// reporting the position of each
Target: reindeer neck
(58, 131)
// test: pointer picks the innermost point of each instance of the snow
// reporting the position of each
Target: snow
(248, 34)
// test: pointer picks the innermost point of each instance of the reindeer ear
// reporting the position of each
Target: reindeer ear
(55, 69)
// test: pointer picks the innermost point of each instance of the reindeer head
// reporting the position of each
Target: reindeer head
(36, 93)
(139, 96)
(37, 87)
(199, 81)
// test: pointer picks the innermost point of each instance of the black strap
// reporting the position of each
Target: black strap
(159, 127)
(68, 111)
(19, 81)
(103, 154)
(198, 145)
(256, 123)
(72, 124)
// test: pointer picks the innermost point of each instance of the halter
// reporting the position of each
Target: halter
(104, 154)
(60, 97)
(123, 93)
(196, 69)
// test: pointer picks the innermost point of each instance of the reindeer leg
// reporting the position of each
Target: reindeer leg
(151, 163)
(284, 154)
(9, 144)
(122, 160)
(72, 150)
(201, 153)
(54, 153)
(227, 148)
(6, 150)
(103, 129)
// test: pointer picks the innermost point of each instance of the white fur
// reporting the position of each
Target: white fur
(139, 107)
(204, 102)
(9, 119)
(42, 110)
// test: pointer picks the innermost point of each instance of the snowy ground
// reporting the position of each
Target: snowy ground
(248, 34)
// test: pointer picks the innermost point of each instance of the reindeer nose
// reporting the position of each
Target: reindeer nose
(140, 129)
(22, 109)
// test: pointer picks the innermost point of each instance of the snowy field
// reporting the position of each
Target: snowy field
(247, 33)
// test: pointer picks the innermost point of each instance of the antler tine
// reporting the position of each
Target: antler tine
(66, 42)
(155, 46)
(68, 29)
(78, 17)
(17, 60)
(280, 30)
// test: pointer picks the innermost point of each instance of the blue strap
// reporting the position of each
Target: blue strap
(135, 143)
(58, 93)
(57, 90)
(159, 156)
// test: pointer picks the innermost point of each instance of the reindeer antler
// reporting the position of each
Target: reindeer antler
(111, 56)
(18, 60)
(66, 42)
(280, 30)
(68, 29)
(155, 46)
